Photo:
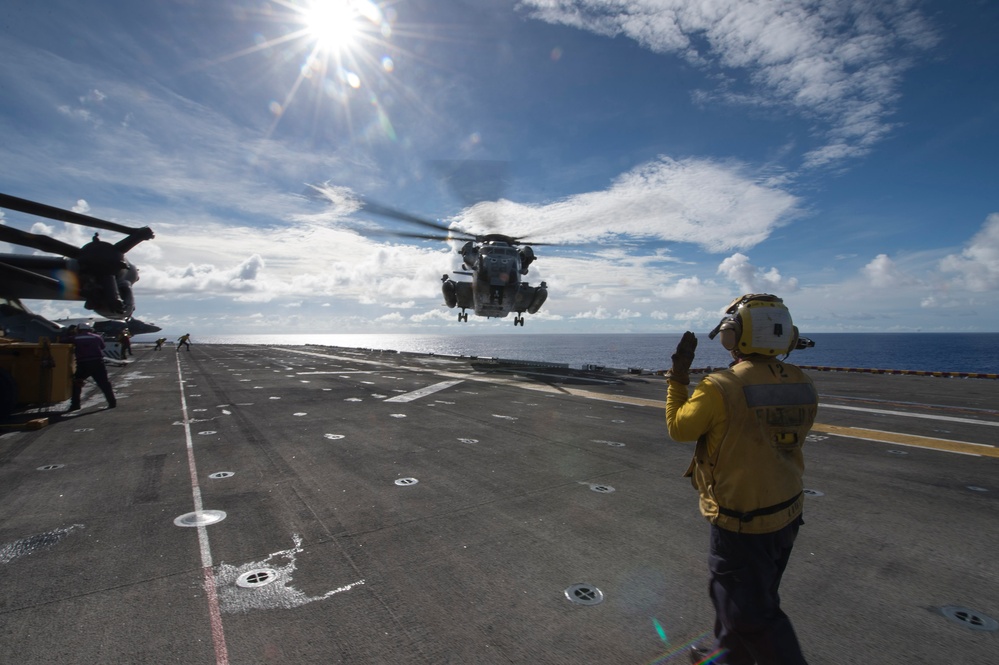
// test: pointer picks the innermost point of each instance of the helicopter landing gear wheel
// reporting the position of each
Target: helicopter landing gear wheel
(518, 321)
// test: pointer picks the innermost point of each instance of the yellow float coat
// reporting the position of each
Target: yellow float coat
(750, 422)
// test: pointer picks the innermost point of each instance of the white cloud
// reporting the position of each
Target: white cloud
(938, 302)
(305, 258)
(755, 280)
(243, 279)
(78, 113)
(600, 313)
(695, 315)
(547, 315)
(434, 315)
(882, 273)
(718, 206)
(42, 229)
(840, 61)
(977, 266)
(686, 287)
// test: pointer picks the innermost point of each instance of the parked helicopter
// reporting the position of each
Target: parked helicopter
(97, 273)
(495, 262)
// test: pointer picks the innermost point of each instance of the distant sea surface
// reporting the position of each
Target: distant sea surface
(932, 352)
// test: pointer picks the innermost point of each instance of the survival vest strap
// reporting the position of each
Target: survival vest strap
(769, 510)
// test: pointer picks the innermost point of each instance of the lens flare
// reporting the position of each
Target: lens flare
(660, 630)
(681, 651)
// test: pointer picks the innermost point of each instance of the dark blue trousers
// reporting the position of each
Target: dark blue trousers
(746, 570)
(96, 369)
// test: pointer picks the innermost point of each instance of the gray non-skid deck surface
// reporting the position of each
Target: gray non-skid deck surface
(469, 564)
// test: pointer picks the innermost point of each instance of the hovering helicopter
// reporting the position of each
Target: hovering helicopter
(97, 273)
(495, 262)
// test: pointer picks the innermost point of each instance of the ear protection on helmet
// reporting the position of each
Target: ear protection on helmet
(757, 323)
(795, 338)
(730, 330)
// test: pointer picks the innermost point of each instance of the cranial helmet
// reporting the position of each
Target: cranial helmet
(757, 323)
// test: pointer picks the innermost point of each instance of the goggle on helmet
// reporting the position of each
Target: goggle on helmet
(757, 323)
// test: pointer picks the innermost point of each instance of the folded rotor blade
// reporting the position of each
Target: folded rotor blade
(58, 214)
(134, 238)
(39, 242)
(29, 276)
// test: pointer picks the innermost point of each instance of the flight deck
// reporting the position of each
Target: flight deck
(309, 504)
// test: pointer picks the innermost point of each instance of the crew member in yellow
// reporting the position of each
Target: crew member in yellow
(750, 422)
(125, 339)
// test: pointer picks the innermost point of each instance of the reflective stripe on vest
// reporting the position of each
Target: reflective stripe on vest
(781, 394)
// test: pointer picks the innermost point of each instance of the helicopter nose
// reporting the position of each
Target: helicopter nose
(500, 270)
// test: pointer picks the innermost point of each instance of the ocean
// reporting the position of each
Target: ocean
(930, 352)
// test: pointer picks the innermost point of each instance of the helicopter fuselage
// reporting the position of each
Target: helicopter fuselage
(496, 289)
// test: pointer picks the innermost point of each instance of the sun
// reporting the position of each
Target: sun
(335, 40)
(334, 24)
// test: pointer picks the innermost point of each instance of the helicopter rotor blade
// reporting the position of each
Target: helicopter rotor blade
(419, 236)
(385, 211)
(39, 242)
(453, 233)
(512, 240)
(58, 214)
(134, 238)
(28, 276)
(536, 244)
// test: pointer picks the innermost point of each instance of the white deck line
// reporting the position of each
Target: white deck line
(423, 392)
(906, 414)
(211, 595)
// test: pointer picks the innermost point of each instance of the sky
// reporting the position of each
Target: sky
(841, 154)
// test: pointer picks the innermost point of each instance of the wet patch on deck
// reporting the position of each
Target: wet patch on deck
(278, 593)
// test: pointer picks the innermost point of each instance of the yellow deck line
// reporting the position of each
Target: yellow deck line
(946, 445)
